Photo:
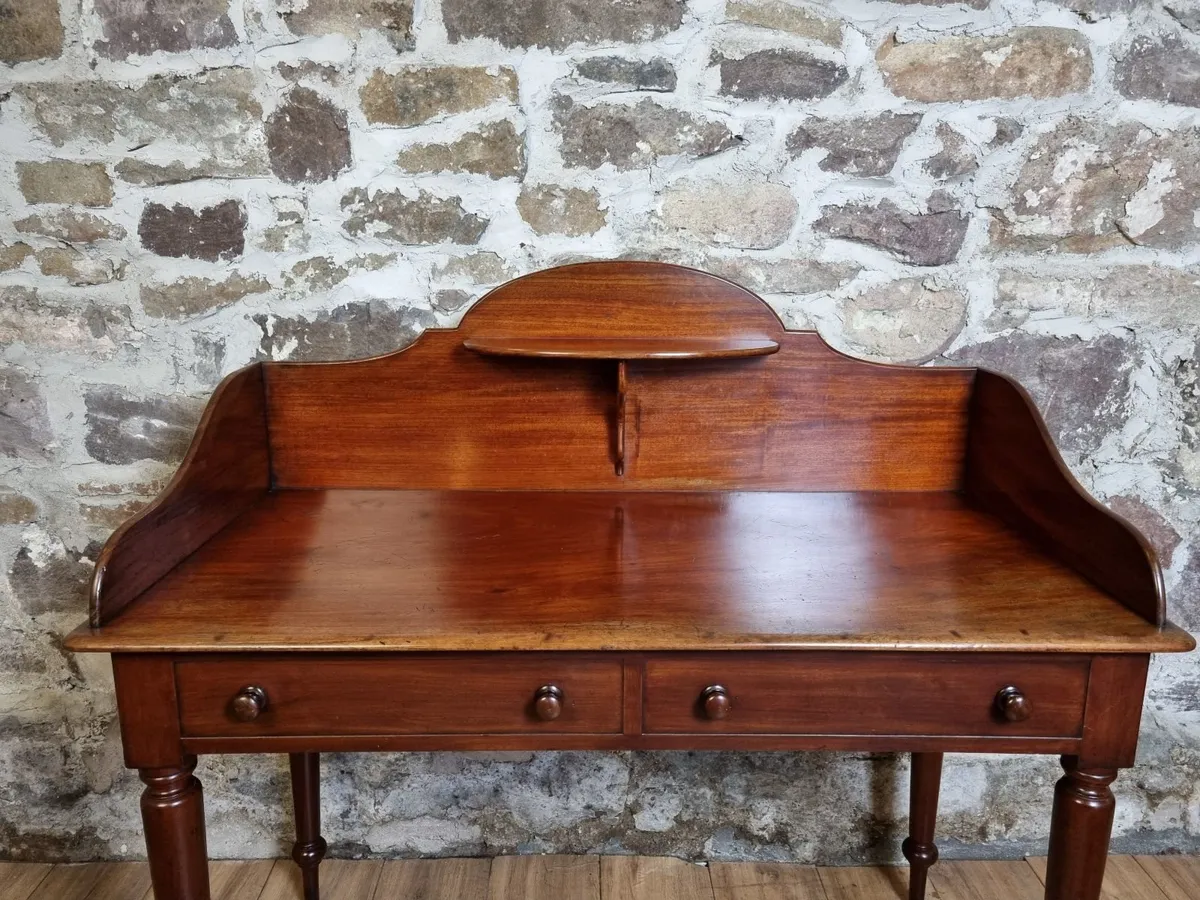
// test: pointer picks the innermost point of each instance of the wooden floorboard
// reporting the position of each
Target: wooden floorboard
(765, 881)
(69, 882)
(545, 878)
(434, 879)
(985, 880)
(653, 878)
(855, 883)
(240, 879)
(341, 879)
(1176, 876)
(19, 880)
(1124, 879)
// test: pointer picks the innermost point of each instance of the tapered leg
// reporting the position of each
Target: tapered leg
(309, 849)
(1079, 832)
(173, 819)
(919, 848)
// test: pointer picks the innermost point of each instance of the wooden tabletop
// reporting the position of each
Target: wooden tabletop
(510, 570)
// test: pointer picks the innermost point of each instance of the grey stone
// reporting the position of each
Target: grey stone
(110, 516)
(975, 4)
(29, 30)
(123, 429)
(553, 209)
(424, 219)
(780, 16)
(362, 328)
(956, 158)
(868, 147)
(631, 74)
(208, 359)
(79, 268)
(193, 296)
(1185, 12)
(749, 215)
(1164, 69)
(350, 17)
(922, 239)
(903, 321)
(632, 137)
(70, 225)
(212, 233)
(72, 327)
(780, 75)
(136, 171)
(450, 300)
(1025, 62)
(307, 138)
(24, 426)
(290, 231)
(495, 150)
(1082, 387)
(481, 268)
(16, 509)
(1087, 186)
(53, 582)
(1134, 296)
(419, 94)
(1008, 131)
(1096, 10)
(782, 276)
(559, 23)
(140, 27)
(63, 181)
(13, 256)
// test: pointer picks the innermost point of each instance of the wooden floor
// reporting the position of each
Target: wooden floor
(598, 878)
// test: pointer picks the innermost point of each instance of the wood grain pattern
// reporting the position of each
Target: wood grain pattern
(122, 881)
(653, 878)
(1124, 879)
(980, 880)
(341, 879)
(1178, 877)
(1116, 688)
(148, 710)
(545, 878)
(621, 348)
(765, 881)
(226, 469)
(865, 883)
(19, 880)
(434, 879)
(321, 570)
(70, 882)
(239, 880)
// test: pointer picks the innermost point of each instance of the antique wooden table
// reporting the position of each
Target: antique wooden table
(621, 507)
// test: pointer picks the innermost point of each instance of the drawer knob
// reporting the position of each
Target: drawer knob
(716, 702)
(548, 702)
(1013, 705)
(249, 704)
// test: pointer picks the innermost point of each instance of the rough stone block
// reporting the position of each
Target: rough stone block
(137, 171)
(780, 16)
(780, 75)
(867, 147)
(419, 94)
(480, 268)
(193, 296)
(24, 426)
(631, 74)
(1135, 296)
(1096, 10)
(1026, 62)
(1185, 12)
(753, 216)
(12, 256)
(631, 137)
(307, 138)
(16, 509)
(559, 23)
(122, 429)
(358, 329)
(956, 157)
(495, 150)
(782, 276)
(137, 27)
(70, 225)
(424, 219)
(922, 239)
(79, 268)
(50, 577)
(90, 327)
(1164, 69)
(552, 209)
(63, 181)
(351, 17)
(907, 321)
(212, 233)
(29, 30)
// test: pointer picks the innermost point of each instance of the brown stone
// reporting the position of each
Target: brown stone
(1163, 68)
(1082, 387)
(123, 429)
(450, 300)
(62, 181)
(24, 426)
(922, 239)
(79, 268)
(110, 516)
(419, 94)
(89, 327)
(16, 509)
(481, 268)
(956, 158)
(137, 27)
(907, 321)
(212, 233)
(632, 137)
(867, 147)
(351, 17)
(782, 276)
(495, 150)
(12, 256)
(1150, 522)
(362, 328)
(559, 23)
(70, 225)
(136, 171)
(424, 219)
(307, 138)
(629, 74)
(29, 30)
(193, 296)
(780, 75)
(1088, 186)
(780, 16)
(1025, 62)
(552, 209)
(749, 215)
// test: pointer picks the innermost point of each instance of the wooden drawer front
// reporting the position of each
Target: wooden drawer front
(864, 693)
(479, 694)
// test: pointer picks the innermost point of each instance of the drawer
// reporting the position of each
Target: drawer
(864, 693)
(393, 694)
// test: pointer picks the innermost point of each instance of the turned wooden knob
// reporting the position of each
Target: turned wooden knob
(548, 702)
(249, 703)
(716, 702)
(1013, 705)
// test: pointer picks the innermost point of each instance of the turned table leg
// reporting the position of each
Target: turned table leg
(919, 848)
(173, 819)
(309, 849)
(1079, 832)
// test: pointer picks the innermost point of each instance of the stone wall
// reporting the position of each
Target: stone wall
(189, 186)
